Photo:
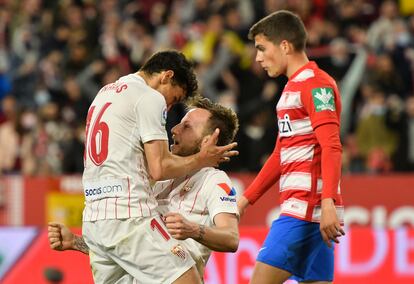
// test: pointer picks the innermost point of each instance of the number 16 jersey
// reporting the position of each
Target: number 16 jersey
(123, 116)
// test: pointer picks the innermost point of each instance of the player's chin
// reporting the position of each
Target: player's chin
(272, 74)
(174, 149)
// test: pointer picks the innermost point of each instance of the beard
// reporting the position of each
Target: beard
(188, 151)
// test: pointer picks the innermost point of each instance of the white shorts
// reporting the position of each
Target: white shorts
(139, 247)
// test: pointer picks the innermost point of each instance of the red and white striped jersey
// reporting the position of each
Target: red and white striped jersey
(199, 197)
(309, 99)
(123, 116)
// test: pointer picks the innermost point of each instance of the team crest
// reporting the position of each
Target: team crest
(164, 116)
(185, 189)
(179, 251)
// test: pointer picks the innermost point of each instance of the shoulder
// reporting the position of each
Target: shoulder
(324, 77)
(214, 174)
(212, 179)
(220, 181)
(313, 76)
(138, 87)
(321, 82)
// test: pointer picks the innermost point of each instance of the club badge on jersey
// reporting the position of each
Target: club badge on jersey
(164, 116)
(185, 189)
(179, 251)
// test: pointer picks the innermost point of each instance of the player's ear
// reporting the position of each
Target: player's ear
(286, 47)
(166, 76)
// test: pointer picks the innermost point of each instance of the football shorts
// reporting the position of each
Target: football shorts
(297, 246)
(139, 247)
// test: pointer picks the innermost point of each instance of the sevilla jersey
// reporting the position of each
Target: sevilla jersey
(309, 99)
(123, 116)
(199, 197)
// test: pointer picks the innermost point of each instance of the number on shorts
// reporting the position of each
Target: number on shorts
(159, 228)
(97, 144)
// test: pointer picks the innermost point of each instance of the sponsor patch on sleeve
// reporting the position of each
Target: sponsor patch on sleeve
(227, 189)
(323, 99)
(231, 193)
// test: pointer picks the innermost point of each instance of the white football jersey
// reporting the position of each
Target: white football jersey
(198, 197)
(123, 116)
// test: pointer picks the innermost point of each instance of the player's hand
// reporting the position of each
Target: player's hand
(211, 155)
(330, 227)
(60, 237)
(242, 204)
(179, 227)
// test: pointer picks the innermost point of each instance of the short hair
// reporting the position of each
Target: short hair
(221, 117)
(279, 26)
(183, 69)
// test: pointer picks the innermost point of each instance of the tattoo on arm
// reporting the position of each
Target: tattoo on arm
(202, 231)
(80, 245)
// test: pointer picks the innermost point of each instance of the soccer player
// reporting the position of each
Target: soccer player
(306, 160)
(126, 149)
(198, 208)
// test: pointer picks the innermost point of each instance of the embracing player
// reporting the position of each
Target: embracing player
(126, 149)
(198, 208)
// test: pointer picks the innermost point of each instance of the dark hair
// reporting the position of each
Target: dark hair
(279, 26)
(173, 60)
(221, 117)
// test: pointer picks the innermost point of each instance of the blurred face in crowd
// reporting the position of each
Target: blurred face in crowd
(272, 57)
(8, 106)
(189, 133)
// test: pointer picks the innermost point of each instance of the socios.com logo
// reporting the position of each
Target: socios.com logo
(107, 189)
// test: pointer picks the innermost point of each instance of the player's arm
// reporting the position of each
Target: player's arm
(164, 165)
(268, 176)
(328, 138)
(61, 238)
(224, 236)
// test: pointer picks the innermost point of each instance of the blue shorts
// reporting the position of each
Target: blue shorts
(297, 246)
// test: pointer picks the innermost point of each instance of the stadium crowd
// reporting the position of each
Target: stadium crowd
(56, 55)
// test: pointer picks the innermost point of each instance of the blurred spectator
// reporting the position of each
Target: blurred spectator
(28, 124)
(75, 104)
(375, 141)
(380, 33)
(400, 118)
(9, 137)
(73, 149)
(352, 160)
(56, 55)
(384, 75)
(339, 59)
(256, 140)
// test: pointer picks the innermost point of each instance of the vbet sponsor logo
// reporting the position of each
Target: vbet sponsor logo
(231, 192)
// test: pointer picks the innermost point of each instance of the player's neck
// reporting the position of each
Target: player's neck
(151, 81)
(143, 76)
(296, 61)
